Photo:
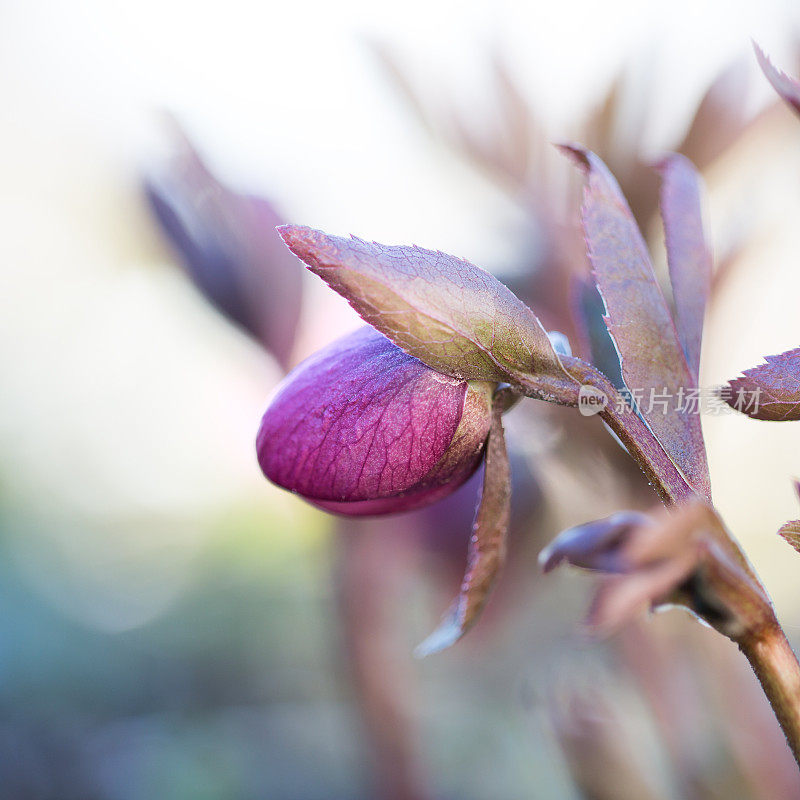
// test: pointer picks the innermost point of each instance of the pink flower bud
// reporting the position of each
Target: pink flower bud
(363, 428)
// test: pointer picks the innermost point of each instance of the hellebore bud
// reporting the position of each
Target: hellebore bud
(228, 246)
(361, 427)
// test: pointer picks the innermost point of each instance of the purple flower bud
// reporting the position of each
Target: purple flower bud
(362, 428)
(228, 245)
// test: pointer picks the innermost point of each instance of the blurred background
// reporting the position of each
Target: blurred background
(171, 625)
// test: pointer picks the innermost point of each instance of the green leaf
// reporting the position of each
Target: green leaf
(688, 253)
(451, 315)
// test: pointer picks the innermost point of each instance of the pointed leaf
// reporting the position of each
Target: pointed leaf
(451, 315)
(688, 253)
(588, 311)
(487, 548)
(790, 531)
(788, 88)
(769, 391)
(653, 363)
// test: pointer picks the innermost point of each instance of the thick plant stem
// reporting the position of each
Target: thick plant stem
(777, 669)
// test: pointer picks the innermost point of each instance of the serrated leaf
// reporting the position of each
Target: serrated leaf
(788, 88)
(790, 531)
(770, 391)
(688, 253)
(487, 548)
(451, 315)
(588, 311)
(653, 363)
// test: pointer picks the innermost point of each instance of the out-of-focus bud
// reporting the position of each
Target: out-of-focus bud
(362, 428)
(598, 545)
(681, 556)
(228, 245)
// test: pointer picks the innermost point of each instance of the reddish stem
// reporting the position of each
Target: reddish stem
(777, 669)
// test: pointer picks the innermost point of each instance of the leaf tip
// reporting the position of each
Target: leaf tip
(298, 238)
(549, 558)
(579, 155)
(786, 86)
(670, 161)
(790, 533)
(307, 243)
(761, 56)
(446, 635)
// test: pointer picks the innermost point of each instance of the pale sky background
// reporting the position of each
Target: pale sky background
(122, 395)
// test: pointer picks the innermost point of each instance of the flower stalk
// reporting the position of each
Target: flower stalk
(778, 671)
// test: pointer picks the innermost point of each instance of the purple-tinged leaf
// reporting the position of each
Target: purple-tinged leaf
(588, 312)
(688, 253)
(788, 88)
(228, 246)
(456, 318)
(790, 531)
(770, 391)
(445, 528)
(653, 363)
(363, 428)
(487, 548)
(634, 434)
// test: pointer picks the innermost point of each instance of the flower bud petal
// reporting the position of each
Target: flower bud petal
(361, 427)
